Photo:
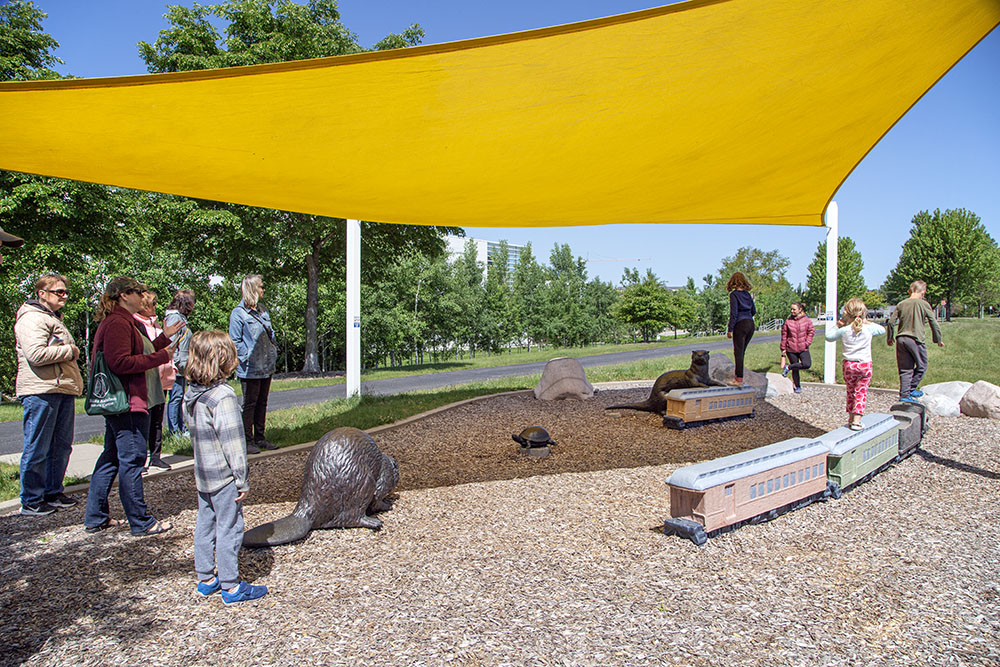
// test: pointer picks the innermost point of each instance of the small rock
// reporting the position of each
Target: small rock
(777, 385)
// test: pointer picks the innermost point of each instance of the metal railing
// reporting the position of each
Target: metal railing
(770, 326)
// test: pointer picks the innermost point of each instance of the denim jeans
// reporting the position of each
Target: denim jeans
(123, 456)
(48, 441)
(175, 415)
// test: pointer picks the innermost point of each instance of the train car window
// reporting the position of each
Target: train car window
(815, 474)
(820, 468)
(728, 491)
(800, 477)
(785, 481)
(770, 485)
(760, 489)
(807, 473)
(753, 491)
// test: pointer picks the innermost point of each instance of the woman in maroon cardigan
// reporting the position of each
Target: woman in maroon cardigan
(125, 434)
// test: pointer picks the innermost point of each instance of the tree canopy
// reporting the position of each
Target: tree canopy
(950, 251)
(850, 282)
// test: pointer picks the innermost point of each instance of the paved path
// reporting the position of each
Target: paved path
(11, 435)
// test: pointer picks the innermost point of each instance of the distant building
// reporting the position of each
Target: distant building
(485, 251)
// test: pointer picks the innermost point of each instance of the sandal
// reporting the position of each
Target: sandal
(108, 523)
(155, 529)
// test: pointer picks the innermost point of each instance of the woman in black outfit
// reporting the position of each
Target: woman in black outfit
(741, 325)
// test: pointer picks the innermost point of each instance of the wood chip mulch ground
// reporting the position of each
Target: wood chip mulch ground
(492, 558)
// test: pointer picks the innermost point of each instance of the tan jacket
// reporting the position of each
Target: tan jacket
(45, 363)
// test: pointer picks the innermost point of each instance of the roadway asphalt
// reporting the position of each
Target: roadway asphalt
(12, 438)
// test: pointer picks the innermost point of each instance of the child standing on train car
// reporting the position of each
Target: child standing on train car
(856, 332)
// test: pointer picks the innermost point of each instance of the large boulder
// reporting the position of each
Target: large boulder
(722, 369)
(944, 398)
(982, 400)
(563, 379)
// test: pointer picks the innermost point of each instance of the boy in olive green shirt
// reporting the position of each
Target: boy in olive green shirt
(907, 323)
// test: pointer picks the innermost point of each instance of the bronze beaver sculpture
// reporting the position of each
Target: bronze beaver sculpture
(347, 478)
(693, 377)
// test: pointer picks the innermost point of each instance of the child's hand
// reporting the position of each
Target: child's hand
(241, 496)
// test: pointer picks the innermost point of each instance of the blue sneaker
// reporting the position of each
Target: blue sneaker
(916, 393)
(909, 399)
(785, 371)
(243, 593)
(206, 588)
(798, 390)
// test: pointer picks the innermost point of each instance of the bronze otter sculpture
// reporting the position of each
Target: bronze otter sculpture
(695, 376)
(347, 478)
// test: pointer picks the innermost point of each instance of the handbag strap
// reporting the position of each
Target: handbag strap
(267, 328)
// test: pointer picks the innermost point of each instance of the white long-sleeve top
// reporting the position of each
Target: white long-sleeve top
(857, 346)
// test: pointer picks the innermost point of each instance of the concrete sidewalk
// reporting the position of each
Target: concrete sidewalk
(81, 465)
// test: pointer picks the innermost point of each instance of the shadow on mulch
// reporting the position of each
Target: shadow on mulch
(101, 565)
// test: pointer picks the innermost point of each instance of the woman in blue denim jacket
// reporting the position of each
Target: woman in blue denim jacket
(252, 333)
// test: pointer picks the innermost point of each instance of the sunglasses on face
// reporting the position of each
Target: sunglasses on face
(58, 292)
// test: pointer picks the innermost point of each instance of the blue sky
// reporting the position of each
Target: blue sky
(945, 153)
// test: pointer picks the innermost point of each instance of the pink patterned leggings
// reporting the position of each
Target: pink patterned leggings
(857, 377)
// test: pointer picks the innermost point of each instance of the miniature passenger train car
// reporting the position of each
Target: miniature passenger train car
(688, 406)
(760, 484)
(748, 487)
(857, 456)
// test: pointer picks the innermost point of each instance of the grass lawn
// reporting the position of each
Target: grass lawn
(13, 411)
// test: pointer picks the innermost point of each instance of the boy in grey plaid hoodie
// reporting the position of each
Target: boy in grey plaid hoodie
(213, 416)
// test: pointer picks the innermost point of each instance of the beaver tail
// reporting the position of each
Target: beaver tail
(282, 531)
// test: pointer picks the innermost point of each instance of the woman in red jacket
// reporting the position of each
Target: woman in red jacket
(796, 337)
(119, 337)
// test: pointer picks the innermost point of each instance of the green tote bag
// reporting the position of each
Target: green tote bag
(105, 393)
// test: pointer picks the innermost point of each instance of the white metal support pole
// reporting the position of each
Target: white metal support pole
(830, 356)
(353, 337)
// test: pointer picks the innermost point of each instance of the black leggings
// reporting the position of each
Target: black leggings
(798, 361)
(742, 333)
(255, 407)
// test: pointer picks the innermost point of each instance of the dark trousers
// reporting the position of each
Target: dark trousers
(742, 333)
(255, 407)
(911, 359)
(798, 361)
(155, 435)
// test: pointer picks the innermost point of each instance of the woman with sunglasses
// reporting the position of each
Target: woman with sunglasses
(48, 378)
(119, 337)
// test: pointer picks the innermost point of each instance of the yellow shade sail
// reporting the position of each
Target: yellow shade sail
(727, 111)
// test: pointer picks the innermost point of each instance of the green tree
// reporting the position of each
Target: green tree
(278, 244)
(951, 252)
(529, 307)
(873, 299)
(499, 313)
(850, 283)
(645, 306)
(25, 51)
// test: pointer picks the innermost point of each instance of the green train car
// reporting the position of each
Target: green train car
(856, 456)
